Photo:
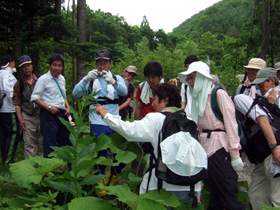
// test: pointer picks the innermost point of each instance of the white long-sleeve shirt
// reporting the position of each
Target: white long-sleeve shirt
(7, 82)
(145, 130)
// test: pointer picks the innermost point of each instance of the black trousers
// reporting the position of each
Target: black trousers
(222, 183)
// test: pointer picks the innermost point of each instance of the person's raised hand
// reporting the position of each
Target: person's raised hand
(93, 74)
(108, 77)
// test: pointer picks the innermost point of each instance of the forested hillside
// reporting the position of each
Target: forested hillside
(225, 18)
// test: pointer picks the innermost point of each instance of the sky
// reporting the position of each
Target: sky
(161, 14)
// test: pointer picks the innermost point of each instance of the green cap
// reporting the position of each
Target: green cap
(264, 74)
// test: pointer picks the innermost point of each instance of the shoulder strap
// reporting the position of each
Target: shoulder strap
(243, 87)
(214, 104)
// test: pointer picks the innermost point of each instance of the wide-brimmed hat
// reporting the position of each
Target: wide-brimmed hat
(24, 60)
(131, 69)
(277, 66)
(264, 74)
(256, 63)
(197, 66)
(103, 54)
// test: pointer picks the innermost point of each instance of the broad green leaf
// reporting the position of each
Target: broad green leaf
(103, 142)
(90, 203)
(15, 203)
(162, 197)
(92, 180)
(84, 128)
(67, 187)
(87, 151)
(32, 170)
(85, 164)
(124, 157)
(150, 204)
(122, 192)
(134, 180)
(63, 153)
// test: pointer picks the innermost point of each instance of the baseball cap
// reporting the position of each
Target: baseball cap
(23, 60)
(264, 74)
(256, 63)
(131, 69)
(103, 54)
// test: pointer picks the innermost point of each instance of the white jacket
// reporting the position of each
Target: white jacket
(145, 130)
(7, 82)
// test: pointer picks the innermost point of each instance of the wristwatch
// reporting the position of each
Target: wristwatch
(272, 146)
(50, 107)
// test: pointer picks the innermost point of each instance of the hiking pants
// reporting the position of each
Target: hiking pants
(32, 137)
(53, 131)
(264, 189)
(222, 183)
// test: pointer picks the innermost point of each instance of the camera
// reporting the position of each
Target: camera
(100, 74)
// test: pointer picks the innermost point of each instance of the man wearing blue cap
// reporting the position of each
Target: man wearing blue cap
(28, 113)
(107, 87)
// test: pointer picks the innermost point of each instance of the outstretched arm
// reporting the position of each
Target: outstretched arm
(270, 137)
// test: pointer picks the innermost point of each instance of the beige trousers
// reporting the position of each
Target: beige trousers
(264, 189)
(32, 137)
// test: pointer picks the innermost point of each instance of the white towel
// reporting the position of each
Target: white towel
(96, 87)
(146, 93)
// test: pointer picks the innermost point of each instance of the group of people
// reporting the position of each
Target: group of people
(40, 101)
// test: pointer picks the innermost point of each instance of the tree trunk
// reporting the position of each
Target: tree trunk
(266, 28)
(74, 71)
(17, 31)
(250, 39)
(57, 37)
(81, 23)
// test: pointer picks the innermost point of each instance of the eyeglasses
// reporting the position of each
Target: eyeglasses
(100, 63)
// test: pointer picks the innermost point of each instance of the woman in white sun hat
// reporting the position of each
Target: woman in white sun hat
(219, 139)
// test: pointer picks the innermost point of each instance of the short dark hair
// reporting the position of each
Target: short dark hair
(153, 69)
(190, 59)
(56, 57)
(172, 92)
(7, 59)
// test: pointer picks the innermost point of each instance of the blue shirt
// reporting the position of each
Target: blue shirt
(119, 89)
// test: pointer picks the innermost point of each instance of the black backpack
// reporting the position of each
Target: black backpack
(174, 123)
(257, 148)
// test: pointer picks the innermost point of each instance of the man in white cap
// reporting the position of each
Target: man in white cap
(129, 74)
(254, 65)
(264, 189)
(7, 110)
(28, 113)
